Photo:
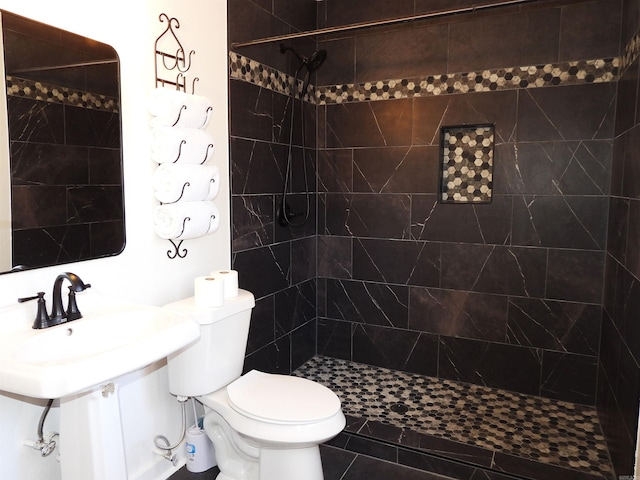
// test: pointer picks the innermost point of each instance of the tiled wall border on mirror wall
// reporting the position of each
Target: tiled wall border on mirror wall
(21, 87)
(553, 74)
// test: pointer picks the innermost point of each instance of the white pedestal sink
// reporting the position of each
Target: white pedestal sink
(91, 442)
(77, 362)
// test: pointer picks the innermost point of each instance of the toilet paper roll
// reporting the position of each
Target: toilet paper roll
(230, 278)
(199, 449)
(209, 291)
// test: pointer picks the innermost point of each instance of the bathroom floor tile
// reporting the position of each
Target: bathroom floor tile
(339, 465)
(425, 410)
(184, 474)
(362, 467)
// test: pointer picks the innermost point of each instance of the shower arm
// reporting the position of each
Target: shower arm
(378, 23)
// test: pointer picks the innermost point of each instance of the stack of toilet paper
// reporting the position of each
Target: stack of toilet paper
(211, 290)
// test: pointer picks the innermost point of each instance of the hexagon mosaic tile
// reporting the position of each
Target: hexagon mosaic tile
(568, 73)
(535, 428)
(467, 163)
(244, 68)
(21, 87)
(631, 52)
(533, 76)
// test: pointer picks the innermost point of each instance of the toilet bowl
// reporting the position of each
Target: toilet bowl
(273, 425)
(263, 426)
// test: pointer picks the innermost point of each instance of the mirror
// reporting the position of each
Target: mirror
(61, 165)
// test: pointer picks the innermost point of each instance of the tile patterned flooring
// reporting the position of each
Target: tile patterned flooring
(516, 434)
(339, 464)
(413, 427)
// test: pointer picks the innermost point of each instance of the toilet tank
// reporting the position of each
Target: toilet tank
(216, 359)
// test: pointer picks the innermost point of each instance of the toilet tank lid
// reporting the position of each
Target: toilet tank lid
(282, 399)
(243, 301)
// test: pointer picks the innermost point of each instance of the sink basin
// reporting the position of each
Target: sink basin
(112, 339)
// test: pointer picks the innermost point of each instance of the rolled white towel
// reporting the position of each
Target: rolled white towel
(181, 145)
(185, 183)
(214, 185)
(184, 220)
(173, 108)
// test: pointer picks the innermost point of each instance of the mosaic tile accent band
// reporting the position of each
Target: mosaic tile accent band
(631, 52)
(243, 68)
(563, 434)
(467, 163)
(552, 74)
(21, 87)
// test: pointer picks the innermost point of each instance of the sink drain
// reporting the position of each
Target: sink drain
(399, 408)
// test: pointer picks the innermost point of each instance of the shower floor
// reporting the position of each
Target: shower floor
(459, 429)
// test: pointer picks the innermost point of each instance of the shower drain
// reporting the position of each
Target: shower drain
(399, 408)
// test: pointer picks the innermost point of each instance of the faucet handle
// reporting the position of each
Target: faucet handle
(39, 295)
(73, 313)
(42, 317)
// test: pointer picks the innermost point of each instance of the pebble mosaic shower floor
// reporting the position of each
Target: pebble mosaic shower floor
(537, 429)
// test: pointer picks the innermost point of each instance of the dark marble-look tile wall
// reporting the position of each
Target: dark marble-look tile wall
(29, 44)
(619, 366)
(275, 262)
(507, 294)
(515, 283)
(254, 19)
(67, 202)
(518, 35)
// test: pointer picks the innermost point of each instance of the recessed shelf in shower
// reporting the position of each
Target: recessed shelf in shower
(466, 168)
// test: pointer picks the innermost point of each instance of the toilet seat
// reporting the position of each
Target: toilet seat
(282, 399)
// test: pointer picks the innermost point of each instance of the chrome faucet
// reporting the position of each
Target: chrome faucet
(58, 314)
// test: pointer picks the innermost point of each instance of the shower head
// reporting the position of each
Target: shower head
(315, 60)
(312, 63)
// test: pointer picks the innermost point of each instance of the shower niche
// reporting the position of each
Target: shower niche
(466, 167)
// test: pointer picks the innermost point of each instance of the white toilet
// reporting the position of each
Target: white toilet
(263, 426)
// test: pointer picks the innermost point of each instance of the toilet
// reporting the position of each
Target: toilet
(263, 426)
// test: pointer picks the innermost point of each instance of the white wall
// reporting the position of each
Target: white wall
(143, 271)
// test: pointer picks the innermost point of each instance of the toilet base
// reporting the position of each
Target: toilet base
(292, 464)
(302, 463)
(239, 460)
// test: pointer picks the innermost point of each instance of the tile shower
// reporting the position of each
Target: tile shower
(507, 294)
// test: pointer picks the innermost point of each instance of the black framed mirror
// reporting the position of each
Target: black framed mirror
(64, 152)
